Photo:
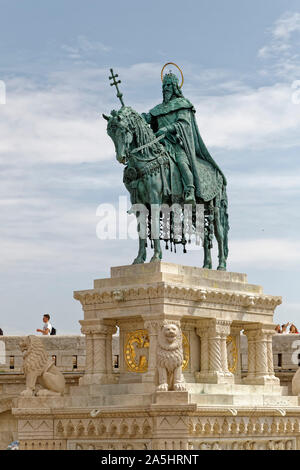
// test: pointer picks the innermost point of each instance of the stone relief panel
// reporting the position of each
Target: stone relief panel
(30, 428)
(104, 428)
(109, 445)
(242, 444)
(42, 444)
(243, 426)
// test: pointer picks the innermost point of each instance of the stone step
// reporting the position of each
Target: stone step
(194, 388)
(198, 388)
(112, 389)
(137, 275)
(236, 389)
(244, 400)
(200, 399)
(137, 394)
(109, 400)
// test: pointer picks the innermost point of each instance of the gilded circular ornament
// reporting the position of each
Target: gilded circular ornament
(186, 351)
(172, 63)
(232, 354)
(136, 351)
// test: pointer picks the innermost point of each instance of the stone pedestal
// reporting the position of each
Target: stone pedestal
(213, 410)
(214, 305)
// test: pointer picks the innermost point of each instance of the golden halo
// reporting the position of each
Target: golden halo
(172, 63)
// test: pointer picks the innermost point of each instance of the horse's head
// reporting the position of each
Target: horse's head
(120, 131)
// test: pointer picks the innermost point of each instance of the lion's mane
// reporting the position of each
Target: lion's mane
(169, 355)
(35, 356)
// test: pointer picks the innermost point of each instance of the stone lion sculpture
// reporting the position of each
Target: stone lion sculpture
(39, 369)
(170, 358)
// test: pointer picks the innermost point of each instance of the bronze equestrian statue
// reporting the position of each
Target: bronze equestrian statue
(168, 165)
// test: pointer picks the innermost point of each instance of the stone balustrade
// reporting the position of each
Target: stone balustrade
(286, 354)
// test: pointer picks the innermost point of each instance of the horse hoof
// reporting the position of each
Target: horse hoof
(221, 268)
(155, 259)
(138, 261)
(207, 266)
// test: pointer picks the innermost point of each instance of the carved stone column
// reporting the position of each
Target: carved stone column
(152, 327)
(99, 344)
(251, 337)
(214, 364)
(89, 359)
(204, 350)
(235, 333)
(98, 351)
(109, 358)
(262, 370)
(260, 355)
(224, 360)
(270, 355)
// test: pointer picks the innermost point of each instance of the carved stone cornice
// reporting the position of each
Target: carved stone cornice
(148, 411)
(93, 327)
(129, 324)
(212, 326)
(203, 296)
(107, 412)
(152, 326)
(257, 331)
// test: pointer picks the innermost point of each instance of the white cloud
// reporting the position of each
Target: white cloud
(51, 126)
(285, 182)
(84, 47)
(257, 118)
(265, 253)
(141, 71)
(286, 25)
(56, 124)
(283, 46)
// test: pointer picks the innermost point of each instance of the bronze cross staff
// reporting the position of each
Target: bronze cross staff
(115, 83)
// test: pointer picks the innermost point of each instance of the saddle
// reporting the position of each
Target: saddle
(210, 179)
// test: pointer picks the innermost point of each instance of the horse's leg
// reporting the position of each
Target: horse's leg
(220, 239)
(141, 257)
(207, 264)
(208, 229)
(156, 200)
(157, 255)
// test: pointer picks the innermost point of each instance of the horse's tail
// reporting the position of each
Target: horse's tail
(224, 220)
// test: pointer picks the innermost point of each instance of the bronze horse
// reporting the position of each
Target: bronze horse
(149, 175)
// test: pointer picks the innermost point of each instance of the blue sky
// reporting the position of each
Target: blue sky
(240, 60)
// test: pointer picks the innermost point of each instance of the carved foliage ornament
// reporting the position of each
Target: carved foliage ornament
(93, 298)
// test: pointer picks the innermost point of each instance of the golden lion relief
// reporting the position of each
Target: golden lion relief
(170, 358)
(39, 369)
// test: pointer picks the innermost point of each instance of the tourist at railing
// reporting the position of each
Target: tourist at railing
(47, 325)
(294, 329)
(284, 328)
